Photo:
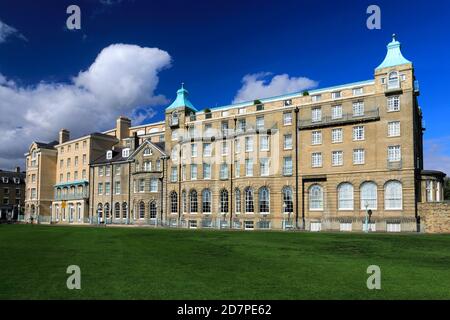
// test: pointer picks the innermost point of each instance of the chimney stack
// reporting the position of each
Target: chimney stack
(64, 135)
(136, 140)
(123, 125)
(17, 169)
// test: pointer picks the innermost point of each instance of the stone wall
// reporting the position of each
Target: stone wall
(435, 217)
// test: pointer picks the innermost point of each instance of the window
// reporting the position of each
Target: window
(174, 135)
(68, 176)
(287, 118)
(287, 141)
(100, 188)
(316, 137)
(153, 185)
(117, 187)
(336, 95)
(117, 210)
(358, 133)
(316, 159)
(429, 190)
(174, 174)
(206, 201)
(108, 155)
(336, 135)
(264, 200)
(249, 225)
(76, 161)
(224, 147)
(369, 196)
(183, 172)
(287, 102)
(206, 171)
(241, 125)
(158, 165)
(315, 198)
(394, 129)
(264, 167)
(359, 156)
(107, 188)
(264, 143)
(183, 202)
(173, 202)
(237, 145)
(68, 163)
(241, 110)
(141, 210)
(147, 152)
(193, 150)
(75, 175)
(287, 166)
(248, 144)
(394, 154)
(125, 153)
(288, 203)
(153, 210)
(259, 107)
(249, 167)
(237, 200)
(358, 109)
(358, 91)
(393, 196)
(393, 104)
(193, 202)
(249, 204)
(207, 149)
(336, 112)
(260, 123)
(345, 196)
(124, 210)
(393, 80)
(224, 171)
(223, 201)
(208, 129)
(193, 172)
(316, 98)
(316, 114)
(107, 171)
(237, 169)
(337, 158)
(147, 166)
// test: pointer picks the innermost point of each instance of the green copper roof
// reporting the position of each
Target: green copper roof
(182, 100)
(394, 55)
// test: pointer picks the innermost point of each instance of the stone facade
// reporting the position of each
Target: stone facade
(318, 161)
(12, 194)
(435, 217)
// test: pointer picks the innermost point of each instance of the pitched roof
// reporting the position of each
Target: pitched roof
(394, 55)
(182, 100)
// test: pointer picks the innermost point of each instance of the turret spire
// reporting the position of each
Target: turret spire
(394, 55)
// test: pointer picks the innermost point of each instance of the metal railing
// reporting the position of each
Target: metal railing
(369, 115)
(72, 196)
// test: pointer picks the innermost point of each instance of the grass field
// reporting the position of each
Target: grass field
(138, 263)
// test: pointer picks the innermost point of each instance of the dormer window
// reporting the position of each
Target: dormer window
(5, 179)
(16, 180)
(288, 102)
(393, 80)
(126, 153)
(147, 152)
(316, 98)
(108, 155)
(336, 95)
(358, 91)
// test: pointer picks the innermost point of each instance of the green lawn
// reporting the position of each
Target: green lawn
(140, 263)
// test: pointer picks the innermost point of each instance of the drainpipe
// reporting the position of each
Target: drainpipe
(296, 110)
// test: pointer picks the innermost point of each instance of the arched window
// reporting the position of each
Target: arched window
(107, 210)
(79, 211)
(288, 203)
(368, 196)
(206, 201)
(173, 202)
(183, 202)
(141, 210)
(393, 195)
(264, 200)
(174, 119)
(193, 202)
(393, 80)
(124, 210)
(238, 200)
(100, 210)
(315, 197)
(249, 204)
(345, 196)
(117, 210)
(153, 210)
(224, 201)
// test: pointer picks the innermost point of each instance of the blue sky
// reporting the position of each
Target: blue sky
(212, 46)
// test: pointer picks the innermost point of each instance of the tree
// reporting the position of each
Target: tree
(447, 188)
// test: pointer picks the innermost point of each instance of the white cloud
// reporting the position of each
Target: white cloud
(437, 154)
(7, 31)
(258, 86)
(121, 81)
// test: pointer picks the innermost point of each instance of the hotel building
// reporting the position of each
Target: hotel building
(319, 160)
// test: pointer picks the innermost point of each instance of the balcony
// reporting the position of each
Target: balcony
(72, 196)
(394, 165)
(348, 118)
(393, 87)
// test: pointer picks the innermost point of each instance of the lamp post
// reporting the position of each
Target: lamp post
(366, 222)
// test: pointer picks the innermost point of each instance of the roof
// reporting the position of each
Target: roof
(12, 174)
(116, 157)
(433, 173)
(182, 100)
(394, 55)
(45, 145)
(160, 146)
